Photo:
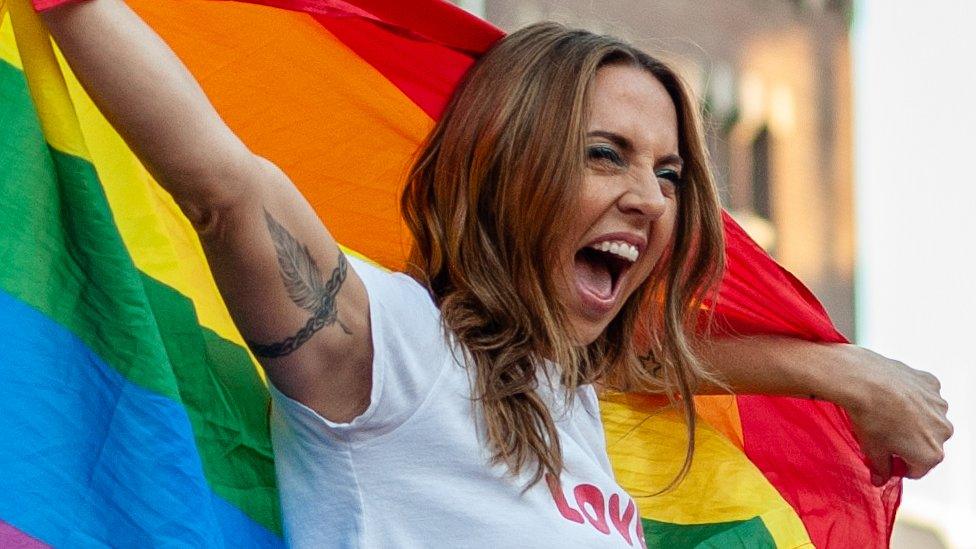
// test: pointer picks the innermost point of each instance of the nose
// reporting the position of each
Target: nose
(643, 197)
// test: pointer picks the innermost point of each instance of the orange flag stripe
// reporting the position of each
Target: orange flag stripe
(342, 160)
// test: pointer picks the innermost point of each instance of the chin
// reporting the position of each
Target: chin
(588, 331)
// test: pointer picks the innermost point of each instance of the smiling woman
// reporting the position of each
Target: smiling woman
(574, 147)
(566, 233)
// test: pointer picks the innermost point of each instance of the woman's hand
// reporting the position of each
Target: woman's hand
(896, 411)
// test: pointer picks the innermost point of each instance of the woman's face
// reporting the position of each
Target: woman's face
(628, 203)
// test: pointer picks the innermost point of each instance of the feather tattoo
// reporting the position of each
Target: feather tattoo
(306, 287)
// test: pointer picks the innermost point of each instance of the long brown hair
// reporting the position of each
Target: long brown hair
(489, 191)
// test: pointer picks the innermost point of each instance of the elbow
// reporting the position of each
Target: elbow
(207, 196)
(204, 217)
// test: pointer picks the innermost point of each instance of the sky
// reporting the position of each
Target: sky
(915, 126)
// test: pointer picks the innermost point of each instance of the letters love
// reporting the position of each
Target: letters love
(593, 507)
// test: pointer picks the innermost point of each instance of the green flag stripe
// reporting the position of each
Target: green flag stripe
(61, 250)
(227, 402)
(743, 534)
(63, 254)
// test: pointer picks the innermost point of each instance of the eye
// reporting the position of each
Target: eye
(671, 175)
(604, 153)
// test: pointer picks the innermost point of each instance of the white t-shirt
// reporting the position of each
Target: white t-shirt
(413, 470)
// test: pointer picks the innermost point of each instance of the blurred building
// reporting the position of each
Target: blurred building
(774, 80)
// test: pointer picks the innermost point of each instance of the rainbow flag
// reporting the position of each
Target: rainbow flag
(133, 414)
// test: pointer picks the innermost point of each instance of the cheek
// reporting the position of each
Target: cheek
(591, 206)
(598, 189)
(661, 240)
(668, 225)
(594, 202)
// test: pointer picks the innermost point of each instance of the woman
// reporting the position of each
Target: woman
(560, 145)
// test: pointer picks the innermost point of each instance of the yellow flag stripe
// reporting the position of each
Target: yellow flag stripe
(647, 443)
(8, 49)
(47, 85)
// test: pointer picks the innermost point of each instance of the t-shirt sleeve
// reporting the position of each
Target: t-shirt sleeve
(410, 352)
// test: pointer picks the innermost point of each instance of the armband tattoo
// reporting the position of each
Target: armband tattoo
(306, 287)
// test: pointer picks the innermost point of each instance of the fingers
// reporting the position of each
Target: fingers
(918, 469)
(880, 464)
(932, 381)
(898, 467)
(928, 453)
(903, 427)
(935, 428)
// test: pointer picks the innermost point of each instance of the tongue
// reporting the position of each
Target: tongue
(594, 276)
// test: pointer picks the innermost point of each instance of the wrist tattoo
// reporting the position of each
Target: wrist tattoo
(306, 287)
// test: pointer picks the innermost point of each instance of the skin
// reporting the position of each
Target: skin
(895, 410)
(311, 331)
(628, 187)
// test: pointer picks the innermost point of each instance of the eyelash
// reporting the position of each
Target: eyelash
(604, 153)
(670, 175)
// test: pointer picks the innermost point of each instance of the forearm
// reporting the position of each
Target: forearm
(147, 94)
(786, 367)
(895, 410)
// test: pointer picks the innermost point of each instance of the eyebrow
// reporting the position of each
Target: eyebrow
(627, 145)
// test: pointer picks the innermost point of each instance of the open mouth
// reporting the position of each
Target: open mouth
(599, 269)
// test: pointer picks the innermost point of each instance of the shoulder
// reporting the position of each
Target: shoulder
(393, 289)
(402, 312)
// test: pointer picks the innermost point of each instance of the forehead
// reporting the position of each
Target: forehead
(630, 101)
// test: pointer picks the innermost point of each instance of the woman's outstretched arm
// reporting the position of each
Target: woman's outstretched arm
(289, 289)
(895, 409)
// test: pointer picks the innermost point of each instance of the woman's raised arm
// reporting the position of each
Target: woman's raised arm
(288, 287)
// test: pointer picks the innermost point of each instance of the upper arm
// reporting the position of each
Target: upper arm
(277, 267)
(289, 289)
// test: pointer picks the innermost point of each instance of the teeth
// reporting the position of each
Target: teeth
(618, 248)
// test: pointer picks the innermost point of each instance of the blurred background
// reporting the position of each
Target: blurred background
(841, 133)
